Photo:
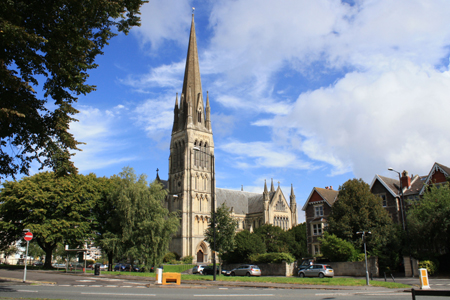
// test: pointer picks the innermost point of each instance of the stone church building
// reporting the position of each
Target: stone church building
(191, 183)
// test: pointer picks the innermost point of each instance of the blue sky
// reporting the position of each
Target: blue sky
(311, 93)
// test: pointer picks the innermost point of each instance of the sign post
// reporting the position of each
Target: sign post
(28, 237)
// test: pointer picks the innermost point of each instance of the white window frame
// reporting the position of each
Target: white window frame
(318, 210)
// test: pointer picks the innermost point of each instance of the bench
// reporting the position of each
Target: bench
(444, 293)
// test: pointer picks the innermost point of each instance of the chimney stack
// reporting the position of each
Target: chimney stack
(405, 180)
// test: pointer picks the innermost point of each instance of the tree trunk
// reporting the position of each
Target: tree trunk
(110, 261)
(48, 258)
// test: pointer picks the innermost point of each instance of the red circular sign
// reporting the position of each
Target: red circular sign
(28, 236)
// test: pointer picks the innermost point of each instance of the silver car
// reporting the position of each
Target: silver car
(320, 271)
(198, 269)
(246, 270)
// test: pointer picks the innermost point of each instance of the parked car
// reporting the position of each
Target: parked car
(119, 267)
(320, 271)
(209, 270)
(38, 264)
(246, 270)
(198, 269)
(131, 268)
(102, 266)
(226, 272)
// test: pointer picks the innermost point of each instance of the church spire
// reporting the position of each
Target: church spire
(272, 189)
(208, 113)
(192, 85)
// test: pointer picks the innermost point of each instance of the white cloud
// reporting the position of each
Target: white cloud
(164, 76)
(155, 116)
(263, 154)
(387, 107)
(164, 20)
(98, 130)
(369, 121)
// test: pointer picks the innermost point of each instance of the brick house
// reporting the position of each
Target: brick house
(412, 187)
(318, 206)
(317, 209)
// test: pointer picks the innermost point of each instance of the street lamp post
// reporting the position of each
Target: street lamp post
(363, 236)
(405, 227)
(401, 197)
(213, 211)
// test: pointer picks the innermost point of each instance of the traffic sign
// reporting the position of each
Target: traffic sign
(28, 236)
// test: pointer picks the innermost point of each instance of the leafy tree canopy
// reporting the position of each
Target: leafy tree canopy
(55, 41)
(225, 230)
(356, 210)
(295, 239)
(246, 244)
(273, 237)
(140, 228)
(55, 209)
(337, 249)
(429, 222)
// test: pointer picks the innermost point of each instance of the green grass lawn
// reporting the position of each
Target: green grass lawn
(304, 281)
(340, 281)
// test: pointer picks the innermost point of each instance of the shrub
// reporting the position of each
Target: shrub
(187, 259)
(272, 258)
(429, 265)
(170, 256)
(337, 249)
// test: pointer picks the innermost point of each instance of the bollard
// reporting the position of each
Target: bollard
(159, 273)
(424, 284)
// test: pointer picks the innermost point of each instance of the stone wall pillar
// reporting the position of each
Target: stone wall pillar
(407, 264)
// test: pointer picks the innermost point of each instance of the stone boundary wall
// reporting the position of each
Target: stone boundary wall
(281, 269)
(357, 268)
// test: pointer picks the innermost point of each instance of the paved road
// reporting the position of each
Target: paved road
(88, 286)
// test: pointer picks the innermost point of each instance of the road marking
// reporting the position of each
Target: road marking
(26, 291)
(236, 295)
(153, 295)
(85, 280)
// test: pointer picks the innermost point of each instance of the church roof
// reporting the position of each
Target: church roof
(241, 202)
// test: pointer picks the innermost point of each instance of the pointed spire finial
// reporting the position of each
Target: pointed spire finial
(292, 189)
(272, 189)
(265, 186)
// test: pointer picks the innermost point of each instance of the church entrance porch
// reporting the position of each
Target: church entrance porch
(200, 256)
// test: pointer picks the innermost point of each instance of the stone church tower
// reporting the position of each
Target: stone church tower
(191, 162)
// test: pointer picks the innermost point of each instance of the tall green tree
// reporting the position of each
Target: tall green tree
(356, 210)
(47, 48)
(55, 209)
(145, 226)
(429, 222)
(246, 244)
(106, 226)
(225, 230)
(274, 238)
(295, 239)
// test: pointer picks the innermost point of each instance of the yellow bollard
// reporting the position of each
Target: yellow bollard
(424, 284)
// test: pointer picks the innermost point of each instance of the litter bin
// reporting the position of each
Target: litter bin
(97, 270)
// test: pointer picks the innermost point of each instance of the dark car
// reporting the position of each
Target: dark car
(131, 268)
(209, 270)
(119, 267)
(38, 264)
